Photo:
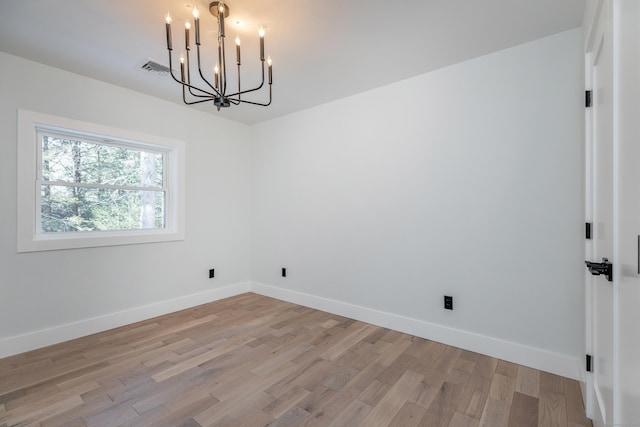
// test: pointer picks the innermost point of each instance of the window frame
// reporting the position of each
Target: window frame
(29, 236)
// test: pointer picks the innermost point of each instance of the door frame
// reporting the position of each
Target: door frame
(602, 25)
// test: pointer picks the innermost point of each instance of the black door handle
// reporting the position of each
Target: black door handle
(598, 268)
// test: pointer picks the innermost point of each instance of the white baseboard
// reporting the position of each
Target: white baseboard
(532, 357)
(544, 360)
(57, 334)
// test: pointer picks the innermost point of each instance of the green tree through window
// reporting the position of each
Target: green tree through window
(90, 185)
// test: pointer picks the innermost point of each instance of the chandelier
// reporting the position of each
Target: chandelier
(219, 91)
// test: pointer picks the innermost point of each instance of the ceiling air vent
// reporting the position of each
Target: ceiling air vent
(154, 67)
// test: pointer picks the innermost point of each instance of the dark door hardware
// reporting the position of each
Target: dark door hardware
(598, 268)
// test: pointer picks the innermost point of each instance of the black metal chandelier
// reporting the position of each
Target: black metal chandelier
(219, 91)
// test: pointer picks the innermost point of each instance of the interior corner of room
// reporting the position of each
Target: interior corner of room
(472, 181)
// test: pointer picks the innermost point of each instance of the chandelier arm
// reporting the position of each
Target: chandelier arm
(208, 94)
(239, 91)
(191, 88)
(202, 75)
(250, 90)
(198, 102)
(184, 97)
(247, 90)
(223, 66)
(171, 69)
(258, 103)
(185, 84)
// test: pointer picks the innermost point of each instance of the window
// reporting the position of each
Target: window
(84, 185)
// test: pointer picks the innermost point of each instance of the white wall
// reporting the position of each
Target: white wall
(63, 289)
(466, 181)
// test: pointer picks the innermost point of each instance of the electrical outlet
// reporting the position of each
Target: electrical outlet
(284, 272)
(211, 273)
(448, 302)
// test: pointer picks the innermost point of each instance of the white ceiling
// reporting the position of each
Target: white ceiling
(321, 50)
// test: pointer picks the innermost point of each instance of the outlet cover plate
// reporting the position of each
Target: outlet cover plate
(448, 302)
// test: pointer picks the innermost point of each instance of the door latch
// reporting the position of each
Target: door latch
(598, 268)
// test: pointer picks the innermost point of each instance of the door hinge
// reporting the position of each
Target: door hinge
(587, 98)
(587, 231)
(589, 363)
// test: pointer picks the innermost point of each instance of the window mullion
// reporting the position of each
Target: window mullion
(94, 185)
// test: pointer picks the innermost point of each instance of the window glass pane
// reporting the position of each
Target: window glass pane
(73, 208)
(71, 160)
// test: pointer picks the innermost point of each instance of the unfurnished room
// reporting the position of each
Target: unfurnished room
(320, 213)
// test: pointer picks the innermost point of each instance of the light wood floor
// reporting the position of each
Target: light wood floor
(255, 361)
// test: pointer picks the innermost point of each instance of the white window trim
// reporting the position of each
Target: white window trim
(30, 240)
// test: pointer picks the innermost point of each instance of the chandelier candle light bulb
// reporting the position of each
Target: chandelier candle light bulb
(168, 28)
(196, 22)
(216, 92)
(221, 19)
(238, 50)
(261, 34)
(186, 34)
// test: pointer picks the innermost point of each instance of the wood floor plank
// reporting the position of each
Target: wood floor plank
(502, 388)
(316, 401)
(183, 413)
(397, 368)
(524, 411)
(199, 360)
(552, 410)
(485, 367)
(251, 361)
(277, 358)
(443, 407)
(507, 369)
(495, 413)
(32, 414)
(552, 383)
(393, 400)
(353, 415)
(425, 394)
(474, 397)
(335, 404)
(258, 418)
(285, 402)
(291, 418)
(47, 406)
(341, 377)
(575, 406)
(356, 332)
(461, 420)
(409, 415)
(374, 392)
(528, 381)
